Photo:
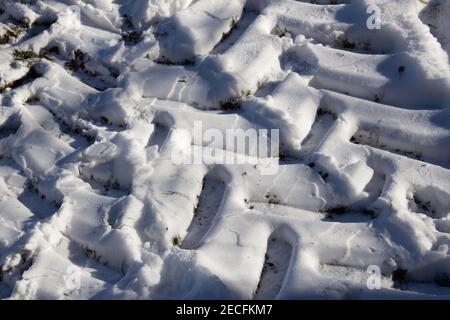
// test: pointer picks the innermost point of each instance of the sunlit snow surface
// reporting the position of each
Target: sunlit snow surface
(95, 96)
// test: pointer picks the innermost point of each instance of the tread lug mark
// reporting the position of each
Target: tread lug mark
(276, 264)
(205, 211)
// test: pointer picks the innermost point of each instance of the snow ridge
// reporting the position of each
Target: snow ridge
(95, 96)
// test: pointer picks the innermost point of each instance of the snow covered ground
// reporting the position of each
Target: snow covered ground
(96, 97)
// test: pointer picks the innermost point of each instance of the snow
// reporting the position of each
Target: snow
(97, 102)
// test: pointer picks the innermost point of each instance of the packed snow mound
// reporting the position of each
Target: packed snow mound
(96, 97)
